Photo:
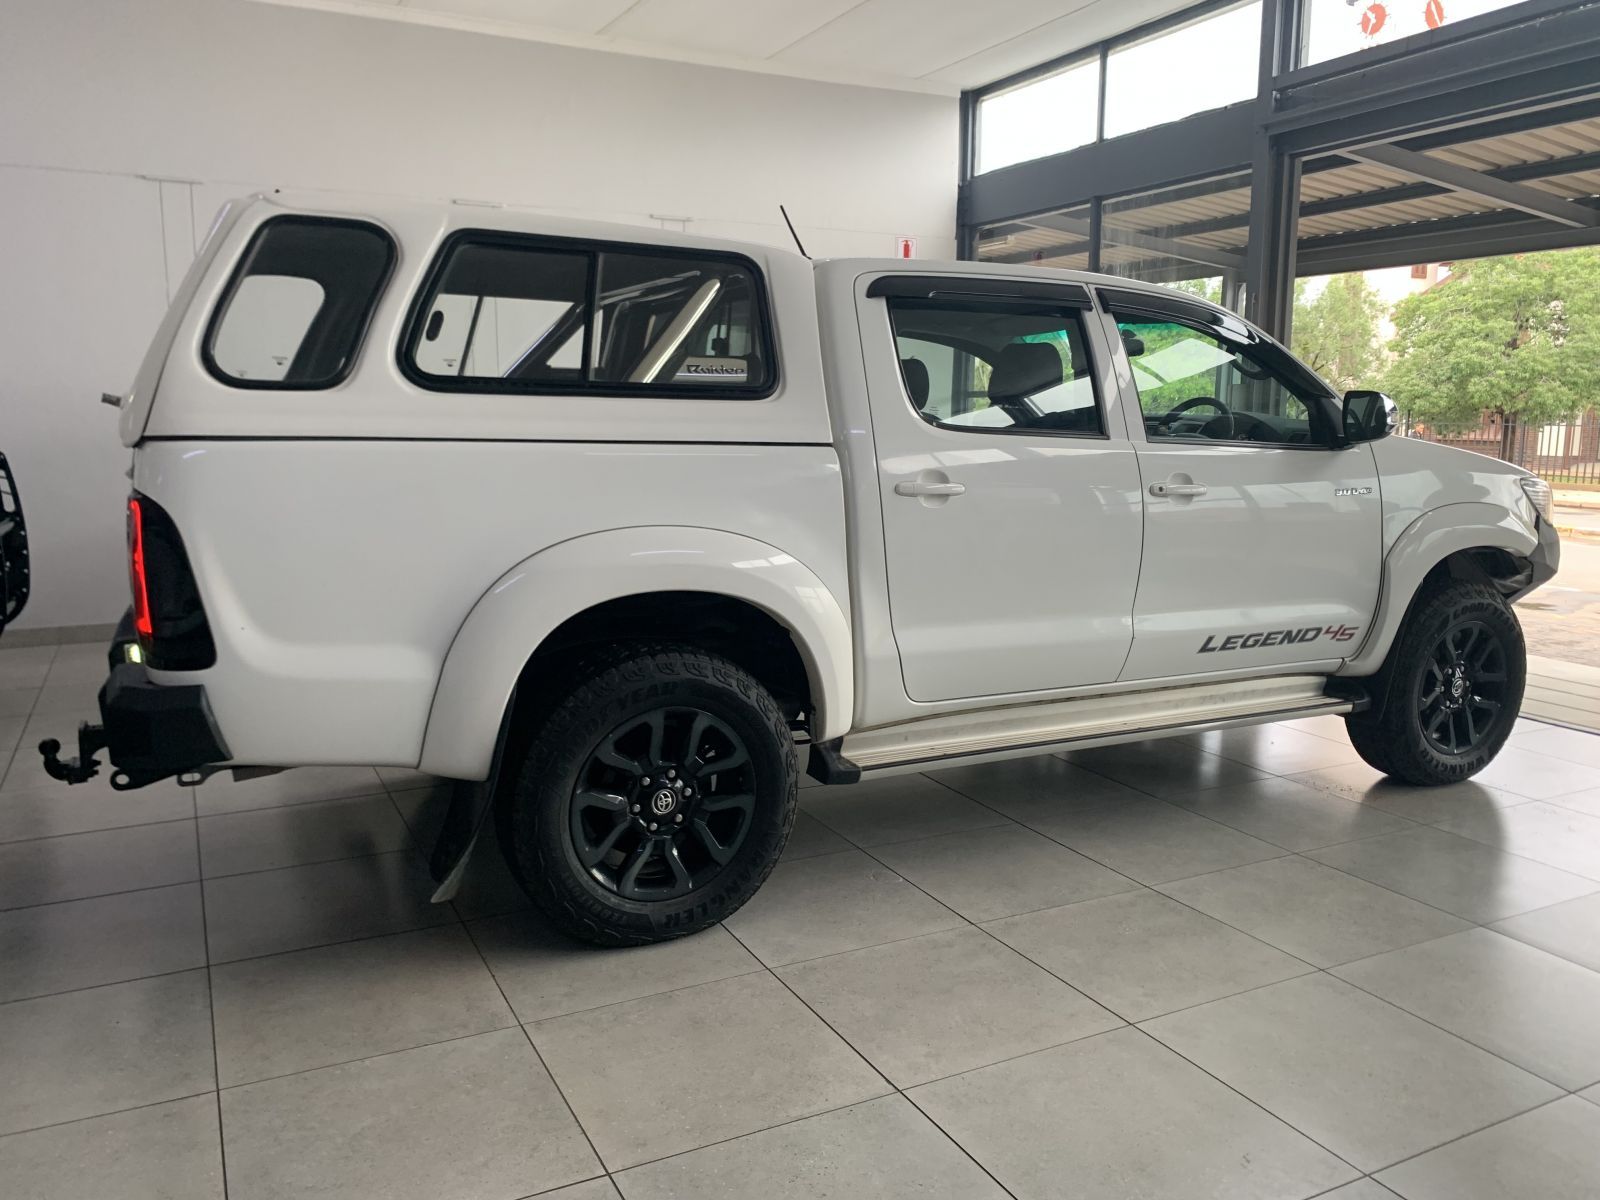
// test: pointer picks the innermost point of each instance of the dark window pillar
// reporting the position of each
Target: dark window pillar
(1269, 260)
(1274, 183)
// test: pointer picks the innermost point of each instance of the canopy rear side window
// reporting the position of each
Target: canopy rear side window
(298, 305)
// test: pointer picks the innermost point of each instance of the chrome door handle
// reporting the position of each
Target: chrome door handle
(913, 487)
(1177, 489)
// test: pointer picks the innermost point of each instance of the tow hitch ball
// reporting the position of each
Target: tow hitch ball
(75, 770)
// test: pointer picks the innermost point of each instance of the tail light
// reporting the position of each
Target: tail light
(142, 624)
(168, 616)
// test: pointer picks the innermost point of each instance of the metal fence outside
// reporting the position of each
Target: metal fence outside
(1562, 452)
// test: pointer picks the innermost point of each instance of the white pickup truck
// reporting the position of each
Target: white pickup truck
(614, 524)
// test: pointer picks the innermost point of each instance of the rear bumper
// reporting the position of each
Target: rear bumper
(154, 730)
(150, 731)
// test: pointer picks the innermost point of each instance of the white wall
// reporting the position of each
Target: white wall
(125, 125)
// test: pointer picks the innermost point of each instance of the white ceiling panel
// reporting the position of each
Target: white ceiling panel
(753, 28)
(916, 37)
(571, 16)
(1082, 23)
(917, 45)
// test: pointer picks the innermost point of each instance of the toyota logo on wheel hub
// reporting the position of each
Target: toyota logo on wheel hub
(663, 802)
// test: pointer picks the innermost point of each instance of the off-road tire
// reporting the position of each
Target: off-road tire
(1393, 740)
(608, 690)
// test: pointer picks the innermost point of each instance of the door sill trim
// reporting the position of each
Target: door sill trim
(1015, 731)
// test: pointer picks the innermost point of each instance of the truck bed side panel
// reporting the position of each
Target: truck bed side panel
(336, 573)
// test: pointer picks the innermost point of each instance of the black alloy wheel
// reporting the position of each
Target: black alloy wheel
(662, 804)
(1463, 688)
(654, 795)
(1449, 692)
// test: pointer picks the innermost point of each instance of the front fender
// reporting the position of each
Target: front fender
(1423, 545)
(526, 604)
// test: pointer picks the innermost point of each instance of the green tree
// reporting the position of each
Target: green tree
(1518, 335)
(1336, 334)
(1206, 288)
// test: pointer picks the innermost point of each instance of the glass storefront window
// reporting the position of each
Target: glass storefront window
(1045, 116)
(1336, 27)
(1206, 64)
(1058, 239)
(1190, 236)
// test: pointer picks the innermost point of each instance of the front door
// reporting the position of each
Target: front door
(1010, 495)
(1262, 542)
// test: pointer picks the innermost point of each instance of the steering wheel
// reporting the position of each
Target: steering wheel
(1223, 412)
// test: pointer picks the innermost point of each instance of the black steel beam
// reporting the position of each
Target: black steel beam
(1196, 147)
(1478, 235)
(1549, 60)
(1274, 182)
(1502, 193)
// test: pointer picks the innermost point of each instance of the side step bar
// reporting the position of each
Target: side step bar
(1017, 730)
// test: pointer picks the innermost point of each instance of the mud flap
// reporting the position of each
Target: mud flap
(471, 804)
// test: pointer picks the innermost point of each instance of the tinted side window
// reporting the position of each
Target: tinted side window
(1195, 385)
(1000, 366)
(519, 314)
(298, 304)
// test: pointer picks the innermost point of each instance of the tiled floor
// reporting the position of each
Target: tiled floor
(1237, 965)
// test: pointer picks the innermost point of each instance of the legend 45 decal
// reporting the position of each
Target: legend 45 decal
(1276, 637)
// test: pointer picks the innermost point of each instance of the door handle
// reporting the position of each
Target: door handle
(915, 487)
(1177, 489)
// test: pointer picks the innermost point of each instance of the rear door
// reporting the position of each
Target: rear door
(1262, 540)
(1010, 495)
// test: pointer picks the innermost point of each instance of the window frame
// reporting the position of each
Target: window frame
(239, 274)
(1289, 372)
(1069, 301)
(592, 248)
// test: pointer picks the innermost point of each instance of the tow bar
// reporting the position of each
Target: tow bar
(148, 731)
(86, 766)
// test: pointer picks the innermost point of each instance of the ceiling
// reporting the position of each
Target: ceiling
(937, 46)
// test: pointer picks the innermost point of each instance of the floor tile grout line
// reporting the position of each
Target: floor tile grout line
(1311, 968)
(1532, 1108)
(1302, 854)
(153, 887)
(11, 757)
(1460, 1037)
(362, 1058)
(54, 837)
(561, 1187)
(872, 1066)
(1331, 867)
(1144, 887)
(366, 937)
(1248, 1099)
(211, 1009)
(758, 969)
(991, 808)
(1391, 1004)
(1511, 853)
(1152, 796)
(410, 849)
(837, 1108)
(199, 966)
(115, 1112)
(532, 1045)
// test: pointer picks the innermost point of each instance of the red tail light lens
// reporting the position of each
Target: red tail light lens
(142, 623)
(168, 617)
